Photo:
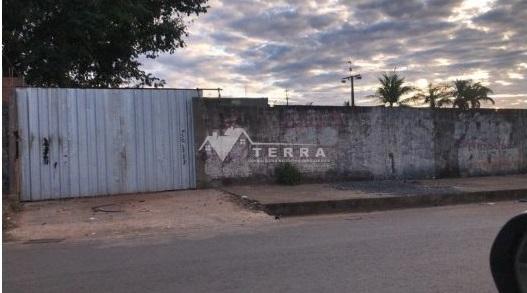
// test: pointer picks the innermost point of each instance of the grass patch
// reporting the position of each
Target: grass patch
(287, 174)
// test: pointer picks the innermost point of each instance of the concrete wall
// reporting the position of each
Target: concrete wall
(247, 141)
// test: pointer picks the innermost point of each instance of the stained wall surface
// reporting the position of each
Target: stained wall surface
(246, 141)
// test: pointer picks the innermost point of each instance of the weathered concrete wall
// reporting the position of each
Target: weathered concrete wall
(483, 142)
(247, 141)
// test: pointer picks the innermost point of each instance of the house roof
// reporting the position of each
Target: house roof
(223, 144)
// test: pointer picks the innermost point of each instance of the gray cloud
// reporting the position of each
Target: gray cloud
(267, 46)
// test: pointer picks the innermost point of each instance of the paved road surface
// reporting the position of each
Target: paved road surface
(421, 250)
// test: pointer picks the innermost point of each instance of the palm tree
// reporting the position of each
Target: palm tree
(434, 95)
(470, 95)
(461, 92)
(392, 88)
(480, 94)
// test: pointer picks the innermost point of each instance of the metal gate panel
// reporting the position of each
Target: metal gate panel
(86, 142)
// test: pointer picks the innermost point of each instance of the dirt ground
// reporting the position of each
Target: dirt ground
(189, 212)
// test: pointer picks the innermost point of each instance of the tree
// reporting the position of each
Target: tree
(91, 43)
(434, 95)
(392, 88)
(470, 95)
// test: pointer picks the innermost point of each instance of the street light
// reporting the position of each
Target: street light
(351, 78)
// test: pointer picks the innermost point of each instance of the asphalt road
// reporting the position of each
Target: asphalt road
(442, 249)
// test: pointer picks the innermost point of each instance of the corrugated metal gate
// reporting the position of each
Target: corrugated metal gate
(85, 142)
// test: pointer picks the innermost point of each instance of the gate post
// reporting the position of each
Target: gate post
(10, 155)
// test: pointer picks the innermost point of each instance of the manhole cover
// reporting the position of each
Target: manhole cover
(44, 240)
(108, 208)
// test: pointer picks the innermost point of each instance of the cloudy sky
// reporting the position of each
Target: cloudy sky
(260, 48)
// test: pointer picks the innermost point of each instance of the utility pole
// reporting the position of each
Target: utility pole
(352, 92)
(286, 98)
(351, 78)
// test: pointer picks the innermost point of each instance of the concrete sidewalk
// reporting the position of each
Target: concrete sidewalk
(360, 196)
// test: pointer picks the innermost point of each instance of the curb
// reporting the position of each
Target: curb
(244, 201)
(389, 203)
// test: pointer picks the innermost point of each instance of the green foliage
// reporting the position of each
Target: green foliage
(91, 43)
(470, 95)
(288, 174)
(463, 94)
(392, 88)
(434, 95)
